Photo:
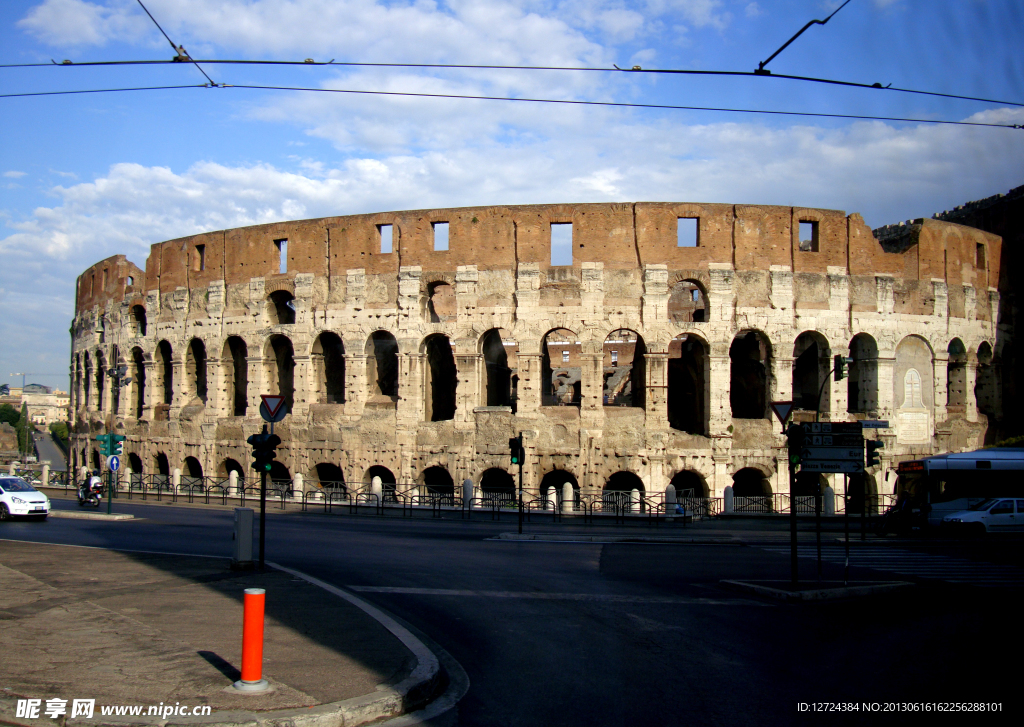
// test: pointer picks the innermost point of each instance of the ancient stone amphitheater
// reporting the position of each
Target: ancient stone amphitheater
(634, 345)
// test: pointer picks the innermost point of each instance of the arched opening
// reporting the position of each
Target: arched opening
(280, 477)
(162, 474)
(193, 474)
(750, 364)
(808, 484)
(750, 482)
(626, 490)
(135, 463)
(689, 484)
(811, 364)
(101, 378)
(164, 372)
(560, 368)
(138, 384)
(230, 465)
(438, 483)
(442, 378)
(281, 310)
(913, 385)
(77, 393)
(985, 385)
(687, 384)
(280, 367)
(441, 304)
(138, 320)
(382, 365)
(96, 460)
(553, 485)
(195, 368)
(956, 376)
(498, 349)
(330, 476)
(688, 303)
(497, 484)
(236, 375)
(862, 491)
(87, 382)
(625, 369)
(862, 384)
(329, 367)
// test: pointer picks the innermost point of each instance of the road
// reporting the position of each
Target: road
(560, 633)
(48, 450)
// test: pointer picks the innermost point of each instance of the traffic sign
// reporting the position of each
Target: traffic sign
(834, 440)
(832, 427)
(272, 409)
(113, 463)
(831, 453)
(875, 424)
(835, 465)
(782, 410)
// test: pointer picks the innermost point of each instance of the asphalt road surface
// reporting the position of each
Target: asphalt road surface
(559, 633)
(47, 450)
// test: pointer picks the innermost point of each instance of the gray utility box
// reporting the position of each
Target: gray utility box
(242, 555)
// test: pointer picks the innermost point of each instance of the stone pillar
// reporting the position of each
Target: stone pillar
(147, 389)
(551, 498)
(254, 364)
(886, 401)
(634, 501)
(175, 479)
(467, 492)
(412, 391)
(298, 486)
(355, 383)
(940, 368)
(670, 499)
(530, 384)
(11, 469)
(376, 488)
(470, 386)
(304, 383)
(971, 380)
(233, 482)
(839, 401)
(720, 410)
(568, 501)
(45, 481)
(657, 390)
(727, 504)
(592, 382)
(828, 501)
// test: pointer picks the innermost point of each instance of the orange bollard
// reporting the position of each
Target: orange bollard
(252, 642)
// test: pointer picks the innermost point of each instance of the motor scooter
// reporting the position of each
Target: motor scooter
(91, 493)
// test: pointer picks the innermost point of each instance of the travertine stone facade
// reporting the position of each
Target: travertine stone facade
(648, 354)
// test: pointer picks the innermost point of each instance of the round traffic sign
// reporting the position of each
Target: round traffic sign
(113, 463)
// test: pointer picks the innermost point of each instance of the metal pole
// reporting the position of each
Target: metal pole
(521, 451)
(817, 522)
(794, 566)
(846, 526)
(863, 506)
(263, 509)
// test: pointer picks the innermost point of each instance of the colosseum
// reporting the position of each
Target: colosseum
(634, 345)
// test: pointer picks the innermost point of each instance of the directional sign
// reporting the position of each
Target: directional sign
(113, 463)
(272, 409)
(831, 453)
(832, 427)
(832, 466)
(834, 440)
(875, 424)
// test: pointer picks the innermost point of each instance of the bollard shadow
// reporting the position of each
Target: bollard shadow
(222, 665)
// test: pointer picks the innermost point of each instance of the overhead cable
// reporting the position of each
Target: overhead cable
(458, 66)
(178, 49)
(760, 67)
(536, 100)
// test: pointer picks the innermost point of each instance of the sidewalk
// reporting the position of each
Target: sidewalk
(141, 629)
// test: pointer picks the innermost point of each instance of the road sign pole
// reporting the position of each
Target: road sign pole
(263, 515)
(817, 523)
(846, 527)
(794, 564)
(110, 489)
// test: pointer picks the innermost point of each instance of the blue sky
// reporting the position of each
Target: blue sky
(84, 177)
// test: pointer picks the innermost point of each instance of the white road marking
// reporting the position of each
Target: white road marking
(603, 597)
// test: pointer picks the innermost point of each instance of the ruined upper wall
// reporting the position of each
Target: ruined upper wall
(618, 235)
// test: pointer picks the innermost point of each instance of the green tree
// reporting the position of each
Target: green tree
(59, 430)
(25, 429)
(9, 415)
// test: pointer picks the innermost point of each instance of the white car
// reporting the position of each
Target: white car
(20, 499)
(996, 515)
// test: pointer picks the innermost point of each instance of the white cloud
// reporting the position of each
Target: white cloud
(753, 10)
(14, 174)
(76, 22)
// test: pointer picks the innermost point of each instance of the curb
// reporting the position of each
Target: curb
(567, 538)
(413, 697)
(827, 593)
(74, 515)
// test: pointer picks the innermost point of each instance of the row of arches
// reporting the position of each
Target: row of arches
(624, 374)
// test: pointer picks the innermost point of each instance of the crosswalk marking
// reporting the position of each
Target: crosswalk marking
(913, 563)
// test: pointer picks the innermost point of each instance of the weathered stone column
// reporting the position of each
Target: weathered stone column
(720, 409)
(940, 371)
(971, 380)
(529, 384)
(657, 390)
(886, 393)
(256, 387)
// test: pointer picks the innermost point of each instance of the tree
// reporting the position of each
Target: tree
(25, 429)
(8, 415)
(59, 431)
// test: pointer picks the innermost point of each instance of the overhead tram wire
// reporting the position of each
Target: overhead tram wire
(535, 100)
(587, 69)
(179, 50)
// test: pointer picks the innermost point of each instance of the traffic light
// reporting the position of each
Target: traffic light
(263, 446)
(795, 434)
(839, 366)
(515, 447)
(117, 445)
(873, 445)
(104, 440)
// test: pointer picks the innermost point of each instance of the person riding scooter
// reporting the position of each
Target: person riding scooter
(91, 491)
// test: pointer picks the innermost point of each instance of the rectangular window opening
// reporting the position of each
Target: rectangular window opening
(979, 257)
(440, 235)
(282, 250)
(200, 257)
(687, 232)
(615, 357)
(808, 236)
(561, 243)
(385, 237)
(565, 357)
